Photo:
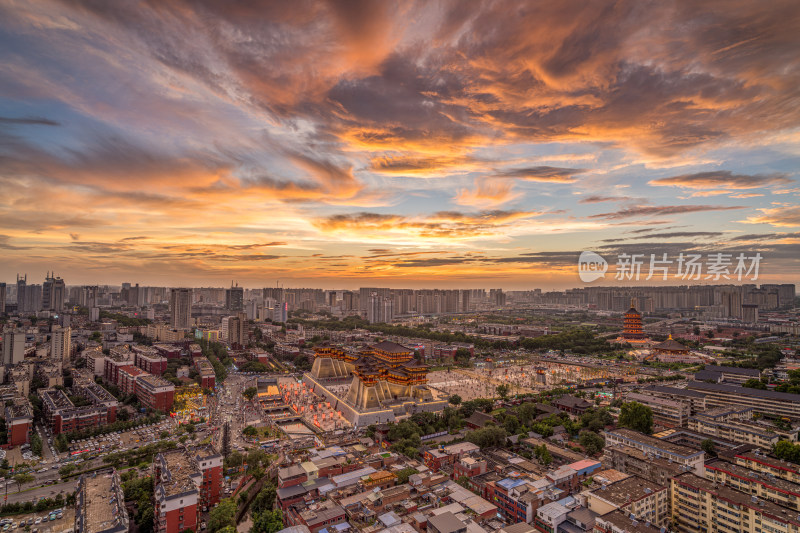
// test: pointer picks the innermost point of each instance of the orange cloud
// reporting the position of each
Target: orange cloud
(487, 193)
(443, 225)
(785, 216)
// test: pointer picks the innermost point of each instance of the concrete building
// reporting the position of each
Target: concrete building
(117, 358)
(635, 496)
(635, 462)
(761, 401)
(234, 298)
(149, 359)
(700, 504)
(13, 347)
(695, 399)
(126, 378)
(768, 465)
(771, 488)
(19, 422)
(436, 458)
(100, 504)
(619, 522)
(727, 374)
(446, 523)
(669, 413)
(208, 377)
(180, 306)
(155, 392)
(550, 516)
(186, 481)
(734, 424)
(53, 294)
(60, 344)
(63, 417)
(237, 327)
(689, 457)
(317, 517)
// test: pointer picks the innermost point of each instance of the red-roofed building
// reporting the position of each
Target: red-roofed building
(127, 378)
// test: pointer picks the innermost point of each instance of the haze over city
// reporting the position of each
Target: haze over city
(431, 144)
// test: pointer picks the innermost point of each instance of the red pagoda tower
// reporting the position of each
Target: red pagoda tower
(632, 329)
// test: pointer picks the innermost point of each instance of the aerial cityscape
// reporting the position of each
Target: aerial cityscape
(399, 267)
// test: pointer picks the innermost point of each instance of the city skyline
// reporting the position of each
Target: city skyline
(404, 145)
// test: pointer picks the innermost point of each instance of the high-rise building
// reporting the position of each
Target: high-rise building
(498, 297)
(13, 346)
(380, 309)
(276, 293)
(2, 298)
(347, 301)
(750, 313)
(180, 305)
(237, 330)
(33, 297)
(53, 293)
(21, 293)
(88, 296)
(465, 302)
(280, 312)
(60, 344)
(364, 294)
(234, 298)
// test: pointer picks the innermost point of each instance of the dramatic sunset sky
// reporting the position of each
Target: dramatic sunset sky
(404, 144)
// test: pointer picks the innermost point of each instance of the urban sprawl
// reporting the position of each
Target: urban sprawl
(594, 410)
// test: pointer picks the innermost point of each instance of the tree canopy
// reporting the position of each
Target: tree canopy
(636, 416)
(222, 515)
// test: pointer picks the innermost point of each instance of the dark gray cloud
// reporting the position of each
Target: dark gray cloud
(596, 199)
(542, 173)
(670, 235)
(766, 236)
(29, 121)
(722, 179)
(651, 210)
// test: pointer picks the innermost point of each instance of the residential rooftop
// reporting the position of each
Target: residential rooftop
(628, 490)
(652, 442)
(773, 510)
(674, 390)
(102, 504)
(738, 390)
(624, 522)
(178, 471)
(742, 472)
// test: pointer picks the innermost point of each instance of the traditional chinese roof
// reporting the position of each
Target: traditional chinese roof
(391, 347)
(670, 345)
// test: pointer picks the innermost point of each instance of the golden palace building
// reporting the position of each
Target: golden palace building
(385, 379)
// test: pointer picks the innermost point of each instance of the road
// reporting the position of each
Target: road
(230, 406)
(34, 495)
